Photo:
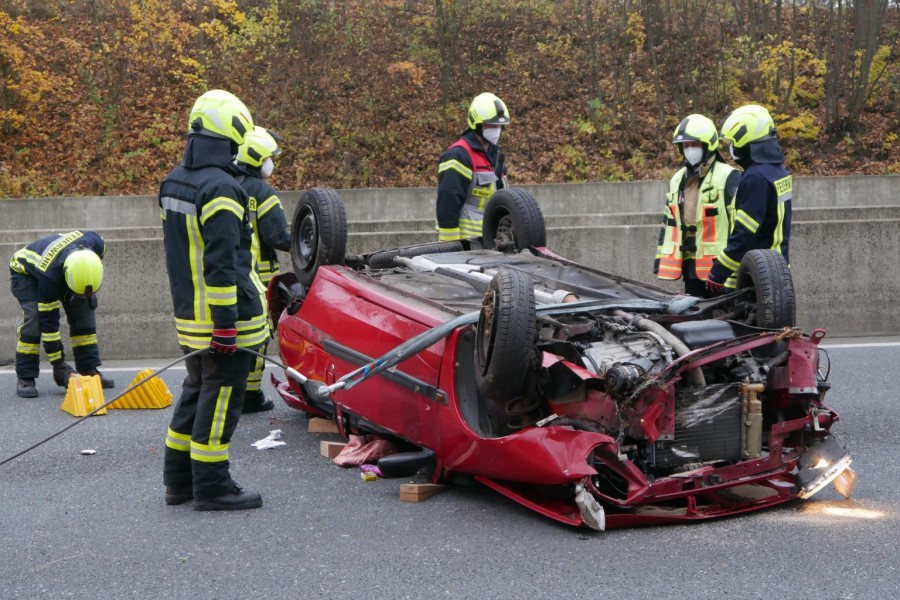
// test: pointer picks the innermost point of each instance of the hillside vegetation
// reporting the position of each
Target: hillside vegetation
(94, 94)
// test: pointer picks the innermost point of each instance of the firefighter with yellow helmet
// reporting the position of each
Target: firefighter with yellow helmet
(762, 206)
(270, 233)
(696, 217)
(471, 170)
(215, 294)
(57, 271)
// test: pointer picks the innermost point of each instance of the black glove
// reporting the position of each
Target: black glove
(224, 341)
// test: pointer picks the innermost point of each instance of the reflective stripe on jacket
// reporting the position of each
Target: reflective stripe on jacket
(467, 176)
(762, 219)
(269, 225)
(482, 186)
(710, 230)
(44, 260)
(207, 239)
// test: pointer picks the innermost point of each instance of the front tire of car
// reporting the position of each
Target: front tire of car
(767, 273)
(318, 233)
(504, 338)
(512, 221)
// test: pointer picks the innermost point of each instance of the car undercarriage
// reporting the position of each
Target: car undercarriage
(590, 398)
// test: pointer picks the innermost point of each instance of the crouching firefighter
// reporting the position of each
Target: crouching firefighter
(58, 271)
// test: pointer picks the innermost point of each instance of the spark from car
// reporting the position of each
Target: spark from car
(854, 513)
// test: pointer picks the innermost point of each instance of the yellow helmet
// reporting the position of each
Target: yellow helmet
(697, 128)
(84, 272)
(259, 145)
(487, 109)
(748, 124)
(221, 113)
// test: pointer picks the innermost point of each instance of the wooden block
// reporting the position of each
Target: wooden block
(416, 492)
(331, 449)
(320, 425)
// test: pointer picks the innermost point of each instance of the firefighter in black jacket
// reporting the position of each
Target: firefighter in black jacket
(60, 270)
(270, 233)
(762, 205)
(215, 294)
(471, 170)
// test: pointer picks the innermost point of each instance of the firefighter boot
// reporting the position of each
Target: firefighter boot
(178, 494)
(61, 373)
(236, 499)
(255, 402)
(105, 382)
(25, 388)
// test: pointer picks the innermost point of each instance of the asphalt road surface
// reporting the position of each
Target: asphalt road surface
(95, 526)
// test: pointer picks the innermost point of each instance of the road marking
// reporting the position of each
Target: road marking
(868, 345)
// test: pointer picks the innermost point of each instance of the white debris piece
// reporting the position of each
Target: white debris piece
(270, 441)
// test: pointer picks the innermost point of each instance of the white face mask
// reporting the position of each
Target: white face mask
(731, 151)
(693, 156)
(267, 167)
(492, 135)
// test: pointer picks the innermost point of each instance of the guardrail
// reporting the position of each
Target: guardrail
(844, 258)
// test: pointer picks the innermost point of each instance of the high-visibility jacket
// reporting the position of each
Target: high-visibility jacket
(207, 238)
(269, 225)
(702, 240)
(44, 261)
(467, 177)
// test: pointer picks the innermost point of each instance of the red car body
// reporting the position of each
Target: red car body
(736, 423)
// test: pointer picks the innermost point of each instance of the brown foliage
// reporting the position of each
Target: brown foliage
(94, 94)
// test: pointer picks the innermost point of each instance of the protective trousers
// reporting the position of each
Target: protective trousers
(203, 422)
(82, 331)
(254, 380)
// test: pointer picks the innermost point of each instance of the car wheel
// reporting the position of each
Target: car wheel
(385, 259)
(318, 232)
(505, 336)
(772, 300)
(512, 221)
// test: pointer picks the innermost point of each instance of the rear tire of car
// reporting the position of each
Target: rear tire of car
(767, 273)
(385, 259)
(504, 337)
(318, 232)
(513, 221)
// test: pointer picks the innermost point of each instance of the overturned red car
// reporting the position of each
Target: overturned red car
(590, 398)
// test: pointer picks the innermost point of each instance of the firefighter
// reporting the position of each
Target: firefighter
(471, 170)
(215, 293)
(270, 232)
(696, 216)
(60, 270)
(762, 206)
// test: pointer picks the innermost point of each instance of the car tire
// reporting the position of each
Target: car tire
(769, 276)
(513, 221)
(505, 336)
(385, 259)
(318, 233)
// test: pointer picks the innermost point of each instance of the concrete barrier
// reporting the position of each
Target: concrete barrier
(845, 244)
